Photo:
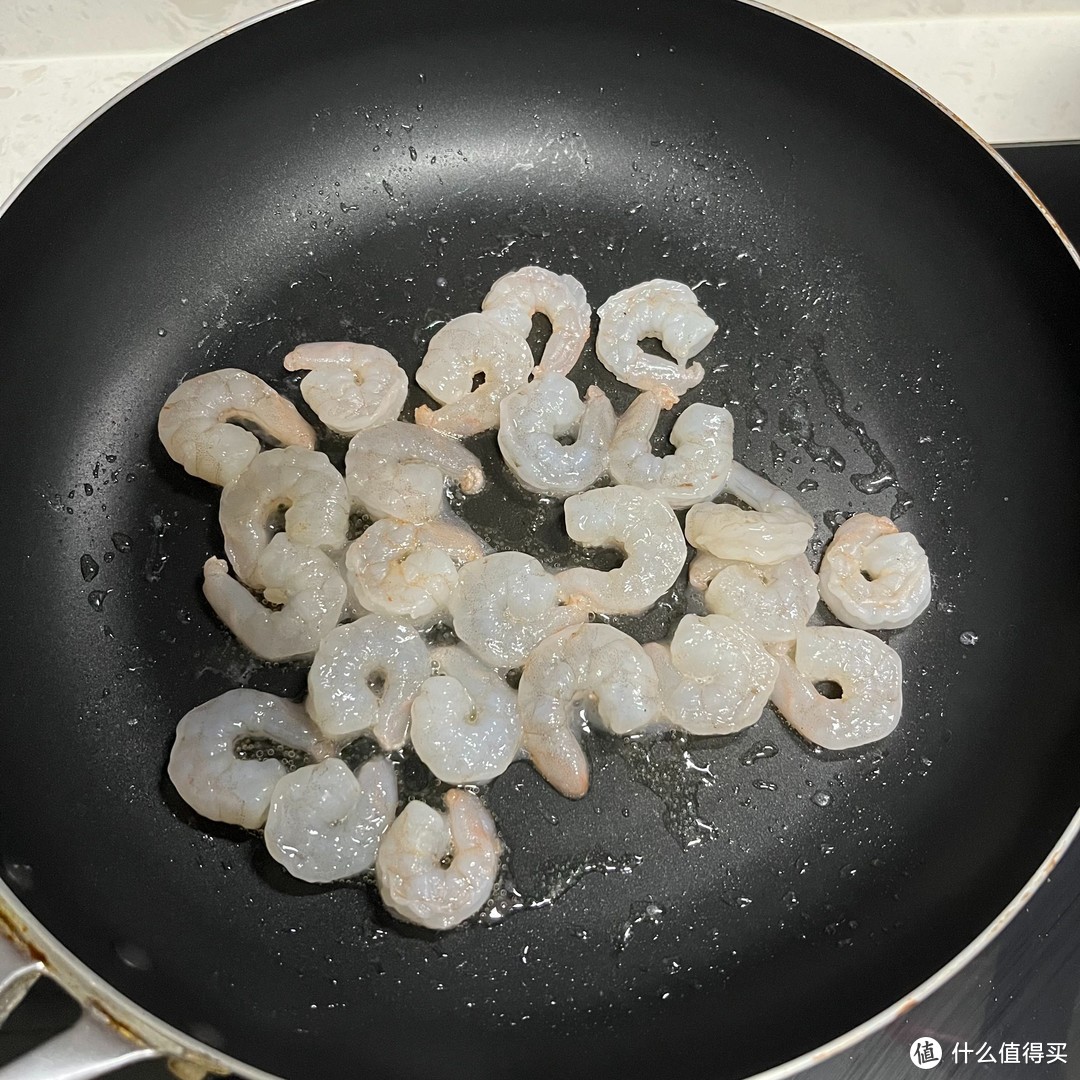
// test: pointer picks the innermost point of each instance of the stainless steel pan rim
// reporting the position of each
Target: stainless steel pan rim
(105, 1008)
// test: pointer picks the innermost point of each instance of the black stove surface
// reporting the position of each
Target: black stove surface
(1013, 1012)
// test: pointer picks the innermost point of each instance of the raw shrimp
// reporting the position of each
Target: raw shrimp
(775, 530)
(506, 604)
(869, 673)
(667, 310)
(594, 663)
(364, 678)
(303, 581)
(195, 423)
(641, 525)
(470, 347)
(205, 769)
(325, 821)
(465, 723)
(303, 483)
(410, 571)
(400, 470)
(531, 422)
(715, 678)
(772, 602)
(349, 386)
(873, 576)
(698, 469)
(516, 297)
(416, 883)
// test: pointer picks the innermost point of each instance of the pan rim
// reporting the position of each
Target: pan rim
(95, 993)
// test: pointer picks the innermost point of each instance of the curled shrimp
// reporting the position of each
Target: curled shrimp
(870, 676)
(402, 471)
(410, 571)
(303, 483)
(349, 386)
(325, 821)
(506, 604)
(470, 347)
(667, 310)
(204, 766)
(416, 881)
(595, 664)
(304, 584)
(773, 602)
(516, 297)
(465, 724)
(775, 530)
(715, 677)
(534, 419)
(873, 576)
(195, 423)
(644, 528)
(698, 469)
(364, 678)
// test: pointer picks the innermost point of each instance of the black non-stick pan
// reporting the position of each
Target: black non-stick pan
(900, 328)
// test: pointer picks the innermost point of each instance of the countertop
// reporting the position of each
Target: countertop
(1009, 68)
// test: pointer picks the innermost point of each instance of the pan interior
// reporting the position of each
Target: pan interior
(898, 328)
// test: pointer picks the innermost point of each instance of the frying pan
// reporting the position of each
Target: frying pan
(899, 331)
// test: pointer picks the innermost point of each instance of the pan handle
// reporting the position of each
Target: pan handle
(91, 1047)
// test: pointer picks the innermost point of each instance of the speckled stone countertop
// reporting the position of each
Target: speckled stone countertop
(1010, 68)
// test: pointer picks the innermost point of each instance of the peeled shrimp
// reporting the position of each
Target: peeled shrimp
(305, 484)
(715, 678)
(636, 522)
(772, 602)
(304, 581)
(594, 663)
(516, 297)
(400, 470)
(869, 673)
(873, 576)
(205, 769)
(465, 724)
(349, 386)
(325, 821)
(410, 571)
(698, 469)
(415, 882)
(665, 309)
(533, 419)
(466, 348)
(195, 427)
(775, 530)
(364, 678)
(506, 604)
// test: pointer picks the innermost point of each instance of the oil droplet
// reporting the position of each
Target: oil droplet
(89, 567)
(791, 899)
(88, 489)
(121, 541)
(968, 638)
(133, 956)
(807, 485)
(848, 871)
(743, 901)
(387, 188)
(945, 607)
(765, 785)
(412, 152)
(821, 798)
(161, 331)
(21, 875)
(96, 599)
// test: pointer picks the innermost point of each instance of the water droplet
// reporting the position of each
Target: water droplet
(821, 798)
(121, 541)
(133, 956)
(161, 331)
(96, 599)
(21, 875)
(89, 567)
(968, 638)
(759, 752)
